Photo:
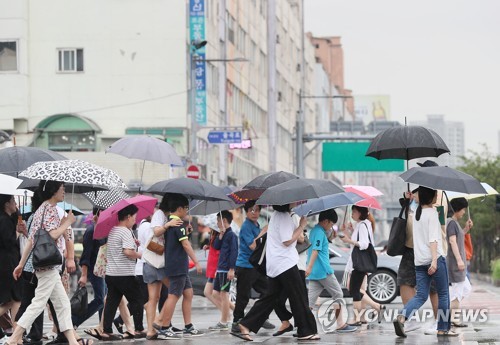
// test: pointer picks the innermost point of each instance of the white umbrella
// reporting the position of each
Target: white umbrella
(9, 184)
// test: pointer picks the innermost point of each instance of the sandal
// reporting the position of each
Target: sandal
(152, 337)
(128, 335)
(85, 341)
(447, 334)
(93, 332)
(459, 325)
(140, 335)
(110, 337)
(244, 336)
(356, 324)
(309, 338)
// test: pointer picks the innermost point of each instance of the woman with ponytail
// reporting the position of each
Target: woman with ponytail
(430, 264)
(361, 237)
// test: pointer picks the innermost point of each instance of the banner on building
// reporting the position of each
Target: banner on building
(370, 108)
(198, 64)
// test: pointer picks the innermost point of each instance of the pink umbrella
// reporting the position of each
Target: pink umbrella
(109, 217)
(368, 194)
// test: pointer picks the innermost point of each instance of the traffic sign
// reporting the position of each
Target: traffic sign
(224, 137)
(193, 172)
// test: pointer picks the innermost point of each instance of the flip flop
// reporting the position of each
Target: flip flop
(459, 325)
(140, 335)
(84, 341)
(244, 336)
(128, 335)
(311, 337)
(93, 332)
(111, 337)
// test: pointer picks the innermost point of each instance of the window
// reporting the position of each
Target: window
(70, 60)
(8, 56)
(230, 28)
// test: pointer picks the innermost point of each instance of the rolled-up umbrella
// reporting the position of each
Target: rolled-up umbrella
(443, 178)
(297, 190)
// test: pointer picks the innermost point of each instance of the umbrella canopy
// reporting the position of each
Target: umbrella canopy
(9, 184)
(106, 198)
(146, 148)
(368, 194)
(297, 190)
(407, 142)
(206, 207)
(443, 178)
(254, 189)
(109, 217)
(315, 206)
(23, 192)
(489, 191)
(15, 159)
(74, 171)
(26, 209)
(190, 188)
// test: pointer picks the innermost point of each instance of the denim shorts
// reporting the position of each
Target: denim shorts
(151, 275)
(177, 284)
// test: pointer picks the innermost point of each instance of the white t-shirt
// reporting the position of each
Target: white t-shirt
(144, 233)
(426, 230)
(159, 219)
(280, 258)
(119, 264)
(302, 264)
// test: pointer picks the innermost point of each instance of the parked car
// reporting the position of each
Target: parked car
(382, 285)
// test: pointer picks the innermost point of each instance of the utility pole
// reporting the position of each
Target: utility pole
(222, 90)
(299, 126)
(271, 83)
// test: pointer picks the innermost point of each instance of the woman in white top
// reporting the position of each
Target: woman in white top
(430, 264)
(361, 237)
(283, 273)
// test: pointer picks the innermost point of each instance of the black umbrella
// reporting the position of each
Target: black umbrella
(443, 178)
(191, 188)
(254, 189)
(406, 142)
(298, 190)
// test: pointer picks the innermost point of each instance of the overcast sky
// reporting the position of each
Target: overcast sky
(430, 56)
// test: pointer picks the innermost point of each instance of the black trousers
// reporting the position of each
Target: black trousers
(249, 278)
(117, 288)
(145, 298)
(291, 282)
(29, 282)
(355, 283)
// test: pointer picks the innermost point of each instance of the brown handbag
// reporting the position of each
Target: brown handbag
(155, 247)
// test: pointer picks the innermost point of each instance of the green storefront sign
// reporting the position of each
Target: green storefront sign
(351, 157)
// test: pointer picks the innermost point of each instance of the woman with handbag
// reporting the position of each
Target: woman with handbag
(154, 262)
(361, 240)
(47, 227)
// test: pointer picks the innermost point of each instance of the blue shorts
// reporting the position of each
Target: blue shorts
(221, 283)
(177, 284)
(151, 275)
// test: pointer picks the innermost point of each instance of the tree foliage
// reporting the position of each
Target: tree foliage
(485, 166)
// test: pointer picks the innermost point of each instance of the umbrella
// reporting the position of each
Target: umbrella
(26, 209)
(315, 206)
(15, 159)
(190, 188)
(489, 191)
(74, 171)
(254, 189)
(105, 198)
(109, 217)
(146, 148)
(9, 184)
(297, 190)
(368, 194)
(406, 142)
(443, 178)
(23, 192)
(206, 207)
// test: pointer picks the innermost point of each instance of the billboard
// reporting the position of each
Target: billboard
(368, 108)
(197, 33)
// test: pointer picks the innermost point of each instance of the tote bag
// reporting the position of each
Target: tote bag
(101, 261)
(153, 253)
(45, 251)
(258, 257)
(79, 301)
(397, 236)
(364, 260)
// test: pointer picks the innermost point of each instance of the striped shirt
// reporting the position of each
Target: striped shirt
(119, 264)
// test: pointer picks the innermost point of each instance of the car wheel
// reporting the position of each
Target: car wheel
(382, 286)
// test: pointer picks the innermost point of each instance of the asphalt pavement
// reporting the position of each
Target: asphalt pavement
(484, 300)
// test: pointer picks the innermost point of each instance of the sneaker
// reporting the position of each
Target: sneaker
(4, 339)
(219, 327)
(168, 334)
(192, 332)
(268, 325)
(412, 325)
(235, 327)
(346, 329)
(432, 330)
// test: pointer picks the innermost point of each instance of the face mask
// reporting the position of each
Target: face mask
(413, 205)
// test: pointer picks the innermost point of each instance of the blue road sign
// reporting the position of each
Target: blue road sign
(224, 137)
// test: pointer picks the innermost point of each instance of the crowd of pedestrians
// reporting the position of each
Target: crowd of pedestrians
(297, 269)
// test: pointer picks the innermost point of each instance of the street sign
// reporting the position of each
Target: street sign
(193, 172)
(224, 137)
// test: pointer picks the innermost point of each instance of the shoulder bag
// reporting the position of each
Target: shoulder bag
(258, 257)
(397, 236)
(45, 251)
(101, 261)
(364, 260)
(79, 301)
(153, 253)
